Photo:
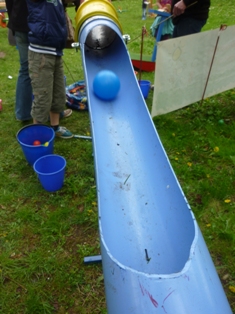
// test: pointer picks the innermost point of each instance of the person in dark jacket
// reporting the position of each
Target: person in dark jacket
(189, 16)
(18, 12)
(47, 39)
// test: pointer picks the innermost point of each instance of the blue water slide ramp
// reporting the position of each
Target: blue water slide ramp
(154, 257)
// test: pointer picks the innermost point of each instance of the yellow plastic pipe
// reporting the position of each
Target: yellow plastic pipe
(90, 8)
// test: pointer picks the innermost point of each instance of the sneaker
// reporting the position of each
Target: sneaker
(62, 132)
(66, 113)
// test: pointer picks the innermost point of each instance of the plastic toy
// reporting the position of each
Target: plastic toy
(36, 143)
(106, 85)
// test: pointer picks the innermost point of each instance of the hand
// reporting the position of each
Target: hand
(179, 8)
(159, 5)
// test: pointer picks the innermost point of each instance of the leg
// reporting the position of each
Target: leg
(188, 26)
(41, 71)
(54, 118)
(58, 100)
(23, 102)
(58, 94)
(144, 7)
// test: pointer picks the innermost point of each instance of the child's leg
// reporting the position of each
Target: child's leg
(58, 100)
(59, 96)
(144, 7)
(41, 74)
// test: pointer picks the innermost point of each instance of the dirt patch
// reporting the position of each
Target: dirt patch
(2, 55)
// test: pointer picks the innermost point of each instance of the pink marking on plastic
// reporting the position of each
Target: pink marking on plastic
(165, 300)
(168, 296)
(146, 292)
(153, 300)
(142, 290)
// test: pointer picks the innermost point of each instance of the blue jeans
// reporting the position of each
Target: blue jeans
(23, 101)
(188, 26)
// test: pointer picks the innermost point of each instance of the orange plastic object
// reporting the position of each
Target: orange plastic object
(3, 20)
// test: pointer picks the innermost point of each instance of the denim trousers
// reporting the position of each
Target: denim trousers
(188, 26)
(23, 102)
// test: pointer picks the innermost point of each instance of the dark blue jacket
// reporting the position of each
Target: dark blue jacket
(47, 23)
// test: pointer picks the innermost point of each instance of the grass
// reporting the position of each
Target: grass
(45, 236)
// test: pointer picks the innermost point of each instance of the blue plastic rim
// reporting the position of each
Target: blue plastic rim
(51, 171)
(30, 133)
(145, 87)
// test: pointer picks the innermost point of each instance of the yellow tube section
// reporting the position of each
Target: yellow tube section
(90, 8)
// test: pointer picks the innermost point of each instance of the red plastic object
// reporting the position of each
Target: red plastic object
(36, 143)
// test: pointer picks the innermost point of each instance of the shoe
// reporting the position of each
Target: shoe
(62, 132)
(66, 113)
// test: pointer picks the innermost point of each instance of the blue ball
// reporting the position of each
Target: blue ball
(106, 85)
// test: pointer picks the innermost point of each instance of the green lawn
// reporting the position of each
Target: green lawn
(45, 236)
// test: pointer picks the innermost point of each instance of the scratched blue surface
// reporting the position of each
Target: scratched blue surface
(153, 254)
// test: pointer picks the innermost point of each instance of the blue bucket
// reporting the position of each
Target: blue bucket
(30, 133)
(51, 171)
(145, 87)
